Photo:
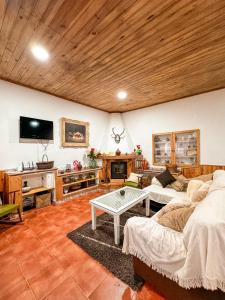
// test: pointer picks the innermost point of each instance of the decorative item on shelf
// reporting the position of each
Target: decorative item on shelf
(75, 165)
(30, 167)
(80, 166)
(65, 191)
(72, 179)
(25, 187)
(93, 155)
(117, 136)
(122, 192)
(61, 171)
(66, 179)
(45, 164)
(138, 151)
(68, 168)
(75, 187)
(118, 152)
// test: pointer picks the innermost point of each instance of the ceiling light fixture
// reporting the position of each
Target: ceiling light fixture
(122, 95)
(40, 53)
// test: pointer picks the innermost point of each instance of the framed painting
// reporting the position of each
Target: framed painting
(74, 133)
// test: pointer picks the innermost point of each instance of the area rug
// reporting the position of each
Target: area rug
(99, 244)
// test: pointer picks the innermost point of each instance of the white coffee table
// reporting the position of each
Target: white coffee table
(115, 204)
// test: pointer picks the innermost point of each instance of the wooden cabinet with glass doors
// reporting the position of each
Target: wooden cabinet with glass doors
(179, 147)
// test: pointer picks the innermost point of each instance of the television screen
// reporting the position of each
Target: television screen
(36, 129)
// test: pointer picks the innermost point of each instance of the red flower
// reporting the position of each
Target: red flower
(139, 146)
(92, 149)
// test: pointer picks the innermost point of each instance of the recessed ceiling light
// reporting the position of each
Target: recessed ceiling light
(122, 95)
(40, 53)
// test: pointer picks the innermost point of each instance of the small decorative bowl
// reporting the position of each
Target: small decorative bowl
(122, 192)
(26, 189)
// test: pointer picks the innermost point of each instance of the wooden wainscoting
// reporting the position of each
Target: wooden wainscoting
(190, 172)
(2, 181)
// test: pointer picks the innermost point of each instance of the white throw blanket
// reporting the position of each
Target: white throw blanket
(194, 258)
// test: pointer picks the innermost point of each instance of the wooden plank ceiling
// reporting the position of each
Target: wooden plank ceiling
(158, 50)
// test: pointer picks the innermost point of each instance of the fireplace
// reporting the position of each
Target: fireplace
(114, 167)
(118, 169)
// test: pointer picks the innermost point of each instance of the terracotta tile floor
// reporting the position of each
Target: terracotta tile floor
(38, 261)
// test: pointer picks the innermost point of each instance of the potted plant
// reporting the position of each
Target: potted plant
(93, 155)
(138, 151)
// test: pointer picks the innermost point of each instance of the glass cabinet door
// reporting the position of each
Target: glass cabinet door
(162, 149)
(186, 148)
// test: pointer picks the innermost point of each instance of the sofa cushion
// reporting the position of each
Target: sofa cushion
(177, 218)
(193, 186)
(155, 181)
(180, 185)
(204, 178)
(202, 192)
(131, 184)
(133, 177)
(165, 178)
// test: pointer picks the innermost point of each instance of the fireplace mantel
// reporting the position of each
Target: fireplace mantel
(121, 156)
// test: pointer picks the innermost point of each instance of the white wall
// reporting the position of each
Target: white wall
(205, 111)
(109, 144)
(16, 101)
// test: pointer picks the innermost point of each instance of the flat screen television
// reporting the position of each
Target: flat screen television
(31, 128)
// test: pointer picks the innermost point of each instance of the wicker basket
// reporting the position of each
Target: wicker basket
(45, 164)
(43, 200)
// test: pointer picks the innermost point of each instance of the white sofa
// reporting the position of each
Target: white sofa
(163, 195)
(192, 258)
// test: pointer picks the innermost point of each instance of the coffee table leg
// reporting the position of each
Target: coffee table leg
(93, 217)
(117, 229)
(147, 206)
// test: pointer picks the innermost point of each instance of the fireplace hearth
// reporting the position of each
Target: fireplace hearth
(118, 170)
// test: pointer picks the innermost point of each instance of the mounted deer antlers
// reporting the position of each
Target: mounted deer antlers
(117, 136)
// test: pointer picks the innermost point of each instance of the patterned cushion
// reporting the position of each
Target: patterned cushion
(180, 185)
(165, 178)
(131, 183)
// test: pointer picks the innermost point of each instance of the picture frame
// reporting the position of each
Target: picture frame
(74, 133)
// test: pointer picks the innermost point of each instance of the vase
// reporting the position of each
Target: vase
(92, 163)
(139, 152)
(79, 166)
(118, 152)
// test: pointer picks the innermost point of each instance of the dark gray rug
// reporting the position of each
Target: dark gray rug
(100, 245)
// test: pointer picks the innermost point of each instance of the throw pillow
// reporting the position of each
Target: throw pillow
(170, 207)
(202, 192)
(133, 177)
(204, 178)
(155, 181)
(176, 219)
(181, 183)
(177, 186)
(193, 186)
(165, 178)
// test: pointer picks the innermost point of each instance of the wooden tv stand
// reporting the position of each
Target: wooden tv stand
(14, 183)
